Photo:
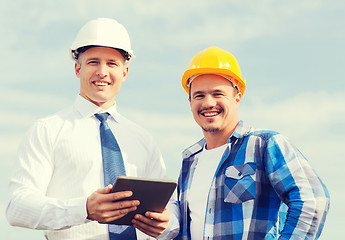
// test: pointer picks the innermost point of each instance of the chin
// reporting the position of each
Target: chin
(211, 129)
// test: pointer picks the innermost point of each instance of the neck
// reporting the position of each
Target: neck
(217, 139)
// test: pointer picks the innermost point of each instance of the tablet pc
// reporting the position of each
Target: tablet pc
(153, 194)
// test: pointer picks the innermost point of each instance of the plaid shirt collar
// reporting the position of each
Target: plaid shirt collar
(241, 130)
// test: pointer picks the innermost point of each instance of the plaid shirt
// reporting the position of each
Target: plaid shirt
(260, 173)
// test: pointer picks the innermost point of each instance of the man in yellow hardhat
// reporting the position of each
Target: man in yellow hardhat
(69, 160)
(238, 181)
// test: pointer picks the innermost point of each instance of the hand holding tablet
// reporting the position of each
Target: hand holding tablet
(153, 195)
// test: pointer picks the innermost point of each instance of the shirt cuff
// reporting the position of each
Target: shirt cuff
(76, 211)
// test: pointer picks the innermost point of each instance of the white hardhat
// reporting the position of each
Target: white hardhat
(103, 32)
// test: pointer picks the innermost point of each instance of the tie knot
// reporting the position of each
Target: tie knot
(102, 116)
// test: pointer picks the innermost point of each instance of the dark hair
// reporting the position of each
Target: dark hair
(80, 50)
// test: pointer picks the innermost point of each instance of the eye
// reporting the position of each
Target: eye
(199, 96)
(113, 64)
(92, 62)
(218, 94)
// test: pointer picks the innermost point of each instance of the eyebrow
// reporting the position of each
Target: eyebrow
(92, 58)
(97, 59)
(198, 92)
(204, 92)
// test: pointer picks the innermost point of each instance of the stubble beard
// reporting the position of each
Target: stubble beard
(210, 130)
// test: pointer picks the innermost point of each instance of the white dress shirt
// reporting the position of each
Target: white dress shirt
(60, 165)
(207, 164)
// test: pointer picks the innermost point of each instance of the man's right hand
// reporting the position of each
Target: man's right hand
(100, 206)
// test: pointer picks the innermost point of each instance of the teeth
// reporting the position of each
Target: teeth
(101, 83)
(210, 114)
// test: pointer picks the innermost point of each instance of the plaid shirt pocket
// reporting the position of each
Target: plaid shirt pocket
(239, 183)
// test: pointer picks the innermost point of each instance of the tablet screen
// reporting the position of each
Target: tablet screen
(153, 194)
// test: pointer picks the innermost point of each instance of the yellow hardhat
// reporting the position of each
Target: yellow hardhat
(214, 60)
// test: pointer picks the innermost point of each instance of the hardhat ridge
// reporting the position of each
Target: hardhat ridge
(103, 32)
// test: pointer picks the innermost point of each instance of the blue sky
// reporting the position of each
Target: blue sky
(292, 54)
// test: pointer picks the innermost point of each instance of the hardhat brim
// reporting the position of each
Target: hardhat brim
(130, 53)
(197, 71)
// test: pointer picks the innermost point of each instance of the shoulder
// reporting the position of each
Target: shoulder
(195, 148)
(58, 118)
(264, 139)
(270, 142)
(246, 131)
(51, 124)
(45, 130)
(264, 134)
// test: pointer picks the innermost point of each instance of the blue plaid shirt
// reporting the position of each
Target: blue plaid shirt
(260, 174)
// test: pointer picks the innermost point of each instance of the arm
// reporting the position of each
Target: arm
(31, 206)
(28, 205)
(299, 187)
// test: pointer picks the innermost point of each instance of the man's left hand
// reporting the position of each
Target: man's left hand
(153, 224)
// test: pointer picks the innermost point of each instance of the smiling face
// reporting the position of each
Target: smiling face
(214, 103)
(101, 71)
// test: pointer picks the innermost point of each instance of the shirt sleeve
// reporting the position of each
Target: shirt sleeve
(157, 169)
(28, 205)
(299, 187)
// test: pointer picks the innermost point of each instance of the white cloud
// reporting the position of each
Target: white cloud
(308, 109)
(28, 100)
(216, 22)
(167, 34)
(313, 120)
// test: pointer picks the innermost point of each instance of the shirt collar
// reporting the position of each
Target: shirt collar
(88, 109)
(241, 130)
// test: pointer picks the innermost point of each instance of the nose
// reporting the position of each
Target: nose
(209, 102)
(102, 71)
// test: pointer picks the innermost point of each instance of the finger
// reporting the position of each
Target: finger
(114, 215)
(121, 195)
(160, 217)
(117, 196)
(110, 218)
(145, 229)
(150, 224)
(118, 206)
(105, 190)
(125, 204)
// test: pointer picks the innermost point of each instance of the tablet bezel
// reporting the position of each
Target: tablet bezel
(153, 194)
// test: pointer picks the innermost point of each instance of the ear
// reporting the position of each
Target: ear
(77, 69)
(125, 72)
(190, 103)
(238, 97)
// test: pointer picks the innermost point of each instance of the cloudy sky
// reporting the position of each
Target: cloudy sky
(292, 54)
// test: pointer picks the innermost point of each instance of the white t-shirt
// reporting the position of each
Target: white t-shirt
(197, 198)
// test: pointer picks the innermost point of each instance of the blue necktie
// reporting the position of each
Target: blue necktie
(113, 167)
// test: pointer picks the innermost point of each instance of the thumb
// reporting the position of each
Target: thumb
(105, 190)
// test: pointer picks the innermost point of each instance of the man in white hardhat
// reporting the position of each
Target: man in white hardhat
(63, 181)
